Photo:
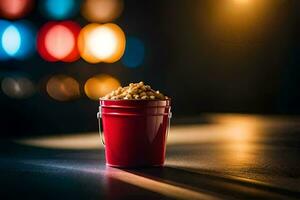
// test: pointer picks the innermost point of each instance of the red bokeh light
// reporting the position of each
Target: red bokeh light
(57, 41)
(14, 9)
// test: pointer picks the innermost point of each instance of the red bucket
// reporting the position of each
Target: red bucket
(135, 131)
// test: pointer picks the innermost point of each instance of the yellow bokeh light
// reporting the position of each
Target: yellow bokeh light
(101, 43)
(101, 10)
(99, 85)
(63, 88)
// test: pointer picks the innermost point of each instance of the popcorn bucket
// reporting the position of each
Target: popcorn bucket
(134, 131)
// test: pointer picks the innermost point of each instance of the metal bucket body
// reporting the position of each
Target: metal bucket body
(135, 131)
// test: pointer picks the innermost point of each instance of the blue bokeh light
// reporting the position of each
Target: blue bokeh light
(60, 9)
(3, 26)
(17, 39)
(134, 52)
(11, 40)
(28, 39)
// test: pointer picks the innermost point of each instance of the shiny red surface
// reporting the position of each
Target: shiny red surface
(135, 132)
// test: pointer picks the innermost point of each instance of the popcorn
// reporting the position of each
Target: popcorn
(135, 91)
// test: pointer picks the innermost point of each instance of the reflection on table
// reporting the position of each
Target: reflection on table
(228, 156)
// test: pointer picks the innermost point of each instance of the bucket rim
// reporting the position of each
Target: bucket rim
(135, 103)
(133, 100)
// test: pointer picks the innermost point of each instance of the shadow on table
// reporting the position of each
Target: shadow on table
(87, 167)
(217, 185)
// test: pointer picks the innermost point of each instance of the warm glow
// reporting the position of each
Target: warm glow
(80, 141)
(101, 43)
(240, 141)
(242, 1)
(101, 10)
(13, 9)
(98, 86)
(59, 41)
(82, 44)
(63, 88)
(242, 131)
(240, 22)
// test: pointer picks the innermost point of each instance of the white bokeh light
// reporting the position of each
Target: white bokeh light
(102, 42)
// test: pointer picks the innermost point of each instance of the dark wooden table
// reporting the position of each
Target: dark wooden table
(225, 157)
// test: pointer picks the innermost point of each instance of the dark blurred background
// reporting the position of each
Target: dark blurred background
(238, 56)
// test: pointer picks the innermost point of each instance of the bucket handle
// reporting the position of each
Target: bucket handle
(99, 116)
(169, 122)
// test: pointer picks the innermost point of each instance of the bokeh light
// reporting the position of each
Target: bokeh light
(101, 10)
(82, 46)
(63, 88)
(28, 39)
(3, 26)
(17, 39)
(134, 52)
(14, 9)
(17, 87)
(99, 85)
(59, 9)
(101, 43)
(57, 41)
(102, 47)
(11, 40)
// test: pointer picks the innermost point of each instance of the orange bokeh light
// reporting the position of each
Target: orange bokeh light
(101, 10)
(101, 43)
(99, 85)
(14, 9)
(63, 88)
(82, 47)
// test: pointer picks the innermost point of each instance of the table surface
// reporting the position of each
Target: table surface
(227, 156)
